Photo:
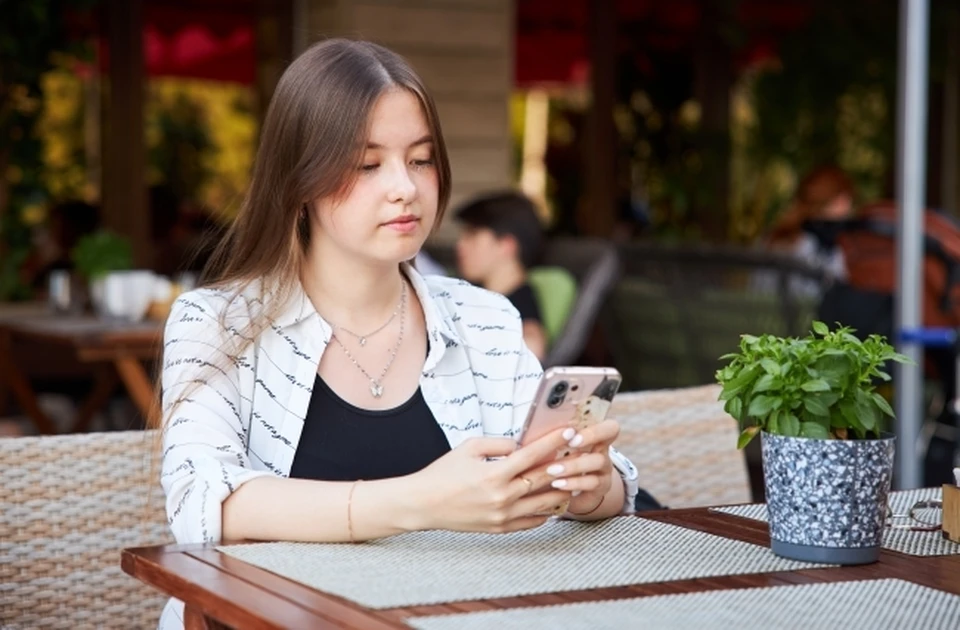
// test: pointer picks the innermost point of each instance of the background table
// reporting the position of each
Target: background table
(116, 350)
(219, 589)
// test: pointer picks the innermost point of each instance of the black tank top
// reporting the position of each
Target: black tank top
(341, 442)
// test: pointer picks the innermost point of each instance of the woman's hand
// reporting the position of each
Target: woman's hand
(589, 475)
(464, 491)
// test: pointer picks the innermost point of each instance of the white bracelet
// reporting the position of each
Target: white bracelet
(631, 480)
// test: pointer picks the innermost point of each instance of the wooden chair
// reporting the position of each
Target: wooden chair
(684, 445)
(68, 505)
(594, 265)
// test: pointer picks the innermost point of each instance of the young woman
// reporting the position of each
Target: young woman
(320, 389)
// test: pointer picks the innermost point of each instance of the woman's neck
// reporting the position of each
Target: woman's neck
(352, 294)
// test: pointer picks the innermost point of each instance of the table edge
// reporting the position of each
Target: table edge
(891, 565)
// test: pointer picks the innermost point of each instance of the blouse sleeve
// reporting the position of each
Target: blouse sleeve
(204, 455)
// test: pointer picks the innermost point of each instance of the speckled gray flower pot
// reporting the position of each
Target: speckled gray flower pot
(827, 499)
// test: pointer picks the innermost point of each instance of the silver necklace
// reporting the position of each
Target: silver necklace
(362, 339)
(376, 384)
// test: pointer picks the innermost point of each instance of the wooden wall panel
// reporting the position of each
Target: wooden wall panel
(463, 50)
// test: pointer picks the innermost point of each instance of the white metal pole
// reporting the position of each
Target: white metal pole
(911, 180)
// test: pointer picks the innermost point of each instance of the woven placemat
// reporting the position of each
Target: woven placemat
(902, 540)
(865, 605)
(436, 567)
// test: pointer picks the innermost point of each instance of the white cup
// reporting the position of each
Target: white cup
(125, 295)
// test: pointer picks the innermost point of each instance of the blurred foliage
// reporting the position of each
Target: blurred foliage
(201, 137)
(829, 97)
(178, 140)
(517, 105)
(43, 147)
(31, 33)
(100, 253)
(671, 157)
(673, 163)
(61, 125)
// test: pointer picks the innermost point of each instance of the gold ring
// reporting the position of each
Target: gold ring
(529, 484)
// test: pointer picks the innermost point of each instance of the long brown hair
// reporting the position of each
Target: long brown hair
(311, 143)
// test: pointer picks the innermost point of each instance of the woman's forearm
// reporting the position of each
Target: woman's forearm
(277, 508)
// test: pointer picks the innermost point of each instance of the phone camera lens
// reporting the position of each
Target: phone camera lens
(557, 394)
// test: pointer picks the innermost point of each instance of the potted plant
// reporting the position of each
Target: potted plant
(98, 255)
(827, 454)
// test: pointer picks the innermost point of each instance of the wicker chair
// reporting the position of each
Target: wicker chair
(684, 446)
(676, 309)
(68, 504)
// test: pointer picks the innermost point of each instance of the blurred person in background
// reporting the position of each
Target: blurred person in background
(823, 197)
(501, 238)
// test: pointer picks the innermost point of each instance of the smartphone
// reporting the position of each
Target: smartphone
(577, 397)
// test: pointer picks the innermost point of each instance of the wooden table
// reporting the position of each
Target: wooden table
(115, 349)
(220, 590)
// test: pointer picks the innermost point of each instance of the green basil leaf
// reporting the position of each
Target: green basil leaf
(761, 405)
(742, 380)
(815, 406)
(814, 430)
(883, 404)
(773, 422)
(734, 407)
(770, 366)
(790, 425)
(766, 383)
(851, 413)
(867, 411)
(816, 385)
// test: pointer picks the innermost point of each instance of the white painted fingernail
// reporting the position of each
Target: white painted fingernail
(569, 433)
(576, 441)
(559, 483)
(575, 493)
(555, 470)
